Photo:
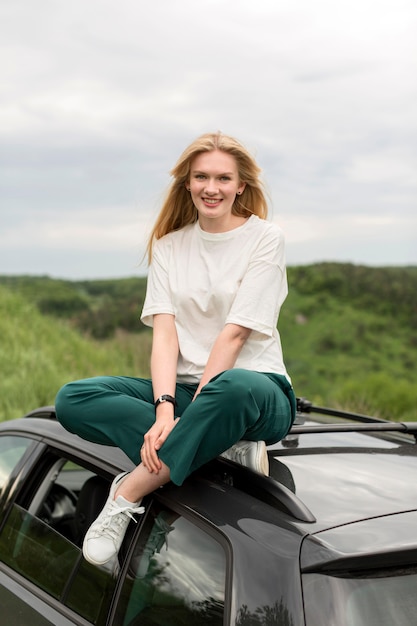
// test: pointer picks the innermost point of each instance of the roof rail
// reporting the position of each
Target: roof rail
(305, 406)
(361, 422)
(408, 428)
(45, 412)
(264, 488)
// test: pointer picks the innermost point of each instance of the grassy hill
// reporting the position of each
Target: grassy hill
(349, 335)
(39, 353)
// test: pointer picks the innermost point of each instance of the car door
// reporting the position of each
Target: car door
(42, 571)
(175, 572)
(171, 568)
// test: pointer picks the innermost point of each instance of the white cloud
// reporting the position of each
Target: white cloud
(97, 99)
(382, 168)
(115, 227)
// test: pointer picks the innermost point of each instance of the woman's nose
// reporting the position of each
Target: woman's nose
(211, 187)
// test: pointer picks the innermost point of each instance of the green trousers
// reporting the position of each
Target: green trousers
(236, 404)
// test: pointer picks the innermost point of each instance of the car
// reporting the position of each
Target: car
(327, 539)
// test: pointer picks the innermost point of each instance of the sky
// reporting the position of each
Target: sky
(98, 98)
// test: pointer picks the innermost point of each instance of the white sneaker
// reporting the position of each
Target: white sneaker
(104, 537)
(252, 454)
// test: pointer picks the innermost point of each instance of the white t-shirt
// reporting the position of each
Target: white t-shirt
(207, 280)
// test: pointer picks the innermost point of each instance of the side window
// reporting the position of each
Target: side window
(12, 450)
(42, 541)
(176, 576)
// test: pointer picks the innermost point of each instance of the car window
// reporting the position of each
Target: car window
(176, 575)
(42, 540)
(34, 550)
(12, 450)
(380, 598)
(176, 570)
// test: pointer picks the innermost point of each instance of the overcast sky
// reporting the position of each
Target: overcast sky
(98, 98)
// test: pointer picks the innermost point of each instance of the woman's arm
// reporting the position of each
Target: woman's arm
(224, 353)
(164, 359)
(164, 356)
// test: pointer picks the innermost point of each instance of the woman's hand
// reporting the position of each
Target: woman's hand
(153, 441)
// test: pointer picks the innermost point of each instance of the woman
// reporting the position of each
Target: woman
(216, 283)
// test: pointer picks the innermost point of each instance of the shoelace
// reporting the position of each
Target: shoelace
(127, 510)
(110, 525)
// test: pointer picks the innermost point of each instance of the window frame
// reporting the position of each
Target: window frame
(40, 600)
(28, 487)
(197, 520)
(31, 475)
(18, 477)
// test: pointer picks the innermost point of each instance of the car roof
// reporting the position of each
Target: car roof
(348, 467)
(326, 473)
(344, 477)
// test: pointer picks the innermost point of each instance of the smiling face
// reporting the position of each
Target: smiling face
(214, 183)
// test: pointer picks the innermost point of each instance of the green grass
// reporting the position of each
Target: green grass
(349, 335)
(38, 354)
(350, 358)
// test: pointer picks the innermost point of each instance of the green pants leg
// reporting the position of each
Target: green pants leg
(237, 404)
(113, 410)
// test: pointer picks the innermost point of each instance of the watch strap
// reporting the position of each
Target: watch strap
(165, 398)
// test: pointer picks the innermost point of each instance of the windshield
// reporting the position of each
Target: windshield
(380, 598)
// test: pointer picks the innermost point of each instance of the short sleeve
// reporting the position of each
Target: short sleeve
(158, 294)
(264, 286)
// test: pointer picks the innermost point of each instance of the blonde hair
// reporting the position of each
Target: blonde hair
(178, 209)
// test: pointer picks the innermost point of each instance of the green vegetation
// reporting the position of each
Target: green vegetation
(349, 335)
(38, 354)
(97, 307)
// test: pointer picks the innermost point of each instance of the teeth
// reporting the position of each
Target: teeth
(211, 200)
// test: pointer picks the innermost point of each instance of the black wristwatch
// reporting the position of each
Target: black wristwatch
(165, 398)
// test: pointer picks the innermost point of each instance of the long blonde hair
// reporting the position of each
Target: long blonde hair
(178, 209)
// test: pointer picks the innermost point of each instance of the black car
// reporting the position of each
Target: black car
(329, 538)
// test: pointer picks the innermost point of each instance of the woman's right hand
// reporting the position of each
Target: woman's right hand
(155, 438)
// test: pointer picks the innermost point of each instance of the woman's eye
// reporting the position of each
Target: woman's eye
(225, 178)
(199, 176)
